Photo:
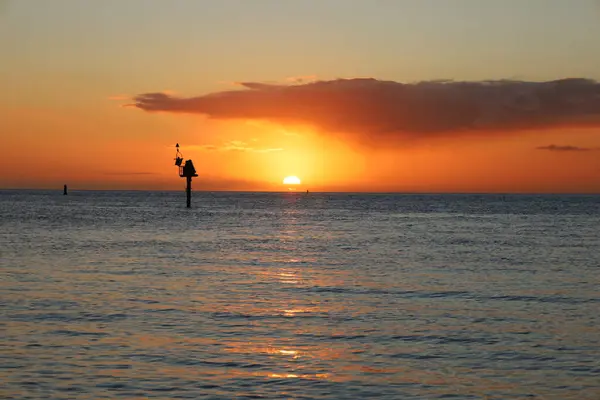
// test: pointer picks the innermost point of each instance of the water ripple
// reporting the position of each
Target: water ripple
(111, 295)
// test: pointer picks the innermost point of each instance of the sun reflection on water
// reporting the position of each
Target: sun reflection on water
(301, 376)
(288, 277)
(288, 352)
(294, 311)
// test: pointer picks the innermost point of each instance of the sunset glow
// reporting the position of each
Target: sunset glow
(370, 117)
(291, 180)
(304, 199)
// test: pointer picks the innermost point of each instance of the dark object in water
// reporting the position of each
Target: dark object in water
(188, 172)
(65, 190)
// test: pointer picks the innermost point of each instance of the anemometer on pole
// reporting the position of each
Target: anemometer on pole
(186, 171)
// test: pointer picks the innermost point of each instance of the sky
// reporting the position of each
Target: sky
(348, 95)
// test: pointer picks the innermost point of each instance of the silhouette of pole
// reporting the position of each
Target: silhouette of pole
(188, 191)
(188, 171)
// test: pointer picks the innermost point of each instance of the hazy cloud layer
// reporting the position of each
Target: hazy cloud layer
(234, 145)
(370, 108)
(130, 173)
(553, 147)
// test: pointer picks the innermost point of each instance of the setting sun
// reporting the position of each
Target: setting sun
(291, 180)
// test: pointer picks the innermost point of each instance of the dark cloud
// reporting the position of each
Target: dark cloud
(554, 147)
(370, 108)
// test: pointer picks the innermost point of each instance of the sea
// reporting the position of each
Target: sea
(129, 294)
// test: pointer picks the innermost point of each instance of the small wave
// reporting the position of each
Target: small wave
(68, 317)
(282, 314)
(400, 293)
(67, 332)
(445, 339)
(543, 299)
(412, 356)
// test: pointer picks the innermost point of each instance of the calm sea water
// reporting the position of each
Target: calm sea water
(131, 295)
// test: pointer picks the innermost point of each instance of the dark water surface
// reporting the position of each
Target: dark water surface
(130, 295)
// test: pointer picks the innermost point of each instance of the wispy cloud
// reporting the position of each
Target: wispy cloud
(270, 150)
(553, 147)
(120, 97)
(130, 173)
(301, 78)
(233, 145)
(385, 110)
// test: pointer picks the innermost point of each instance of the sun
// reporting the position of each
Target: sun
(291, 180)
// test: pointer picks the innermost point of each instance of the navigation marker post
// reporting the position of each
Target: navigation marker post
(186, 171)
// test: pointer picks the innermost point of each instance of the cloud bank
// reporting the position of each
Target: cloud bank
(370, 108)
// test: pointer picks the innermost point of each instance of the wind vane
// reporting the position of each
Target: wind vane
(186, 171)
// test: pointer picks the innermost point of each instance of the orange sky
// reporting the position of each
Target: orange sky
(255, 156)
(70, 66)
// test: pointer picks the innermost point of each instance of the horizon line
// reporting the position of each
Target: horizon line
(317, 192)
